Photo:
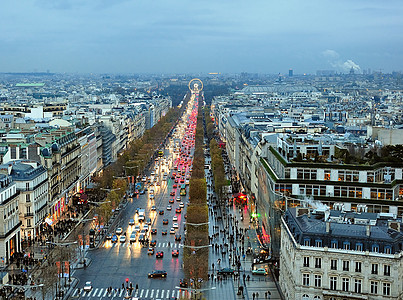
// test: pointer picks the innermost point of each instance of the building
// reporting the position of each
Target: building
(335, 255)
(31, 179)
(10, 224)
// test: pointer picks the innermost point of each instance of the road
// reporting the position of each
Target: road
(114, 263)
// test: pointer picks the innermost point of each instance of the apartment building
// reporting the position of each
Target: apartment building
(336, 254)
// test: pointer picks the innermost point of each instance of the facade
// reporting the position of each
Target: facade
(31, 179)
(10, 224)
(334, 255)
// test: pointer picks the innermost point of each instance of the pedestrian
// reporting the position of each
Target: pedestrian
(269, 294)
(137, 286)
(257, 295)
(253, 296)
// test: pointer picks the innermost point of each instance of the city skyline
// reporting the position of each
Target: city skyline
(227, 37)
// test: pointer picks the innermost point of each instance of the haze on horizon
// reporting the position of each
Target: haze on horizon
(227, 36)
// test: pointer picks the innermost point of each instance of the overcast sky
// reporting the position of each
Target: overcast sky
(183, 36)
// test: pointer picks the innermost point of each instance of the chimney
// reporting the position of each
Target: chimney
(327, 227)
(368, 230)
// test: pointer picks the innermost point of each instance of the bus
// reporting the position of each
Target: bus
(183, 190)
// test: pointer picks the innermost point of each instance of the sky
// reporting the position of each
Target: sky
(182, 36)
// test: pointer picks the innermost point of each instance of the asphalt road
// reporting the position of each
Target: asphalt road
(111, 264)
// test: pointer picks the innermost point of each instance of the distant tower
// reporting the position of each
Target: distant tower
(290, 73)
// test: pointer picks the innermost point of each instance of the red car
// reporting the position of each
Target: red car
(175, 186)
(172, 193)
(171, 200)
(178, 210)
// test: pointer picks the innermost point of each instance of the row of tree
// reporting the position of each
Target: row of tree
(217, 165)
(196, 259)
(132, 162)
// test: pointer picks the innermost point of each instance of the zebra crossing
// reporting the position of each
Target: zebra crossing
(128, 245)
(99, 293)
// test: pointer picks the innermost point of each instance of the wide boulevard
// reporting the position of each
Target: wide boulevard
(116, 263)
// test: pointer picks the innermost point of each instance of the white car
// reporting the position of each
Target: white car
(175, 218)
(88, 286)
(172, 231)
(122, 239)
(145, 227)
(169, 207)
(175, 225)
(137, 228)
(131, 222)
(119, 230)
(181, 205)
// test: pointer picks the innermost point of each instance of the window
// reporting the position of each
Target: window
(388, 250)
(333, 283)
(27, 185)
(374, 269)
(305, 279)
(318, 262)
(305, 297)
(29, 223)
(307, 242)
(316, 298)
(346, 265)
(346, 245)
(318, 280)
(345, 284)
(358, 247)
(306, 261)
(386, 289)
(318, 243)
(357, 285)
(333, 264)
(386, 270)
(28, 198)
(327, 175)
(374, 287)
(333, 244)
(358, 266)
(375, 248)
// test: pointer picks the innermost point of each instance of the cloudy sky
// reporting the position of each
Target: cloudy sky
(183, 36)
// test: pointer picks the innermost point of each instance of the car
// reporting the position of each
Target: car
(175, 253)
(178, 199)
(142, 237)
(133, 237)
(136, 228)
(119, 230)
(153, 208)
(172, 231)
(154, 231)
(178, 210)
(178, 237)
(122, 239)
(88, 286)
(114, 238)
(226, 271)
(159, 254)
(131, 222)
(153, 243)
(175, 218)
(161, 212)
(172, 193)
(260, 271)
(175, 225)
(169, 207)
(108, 236)
(175, 186)
(183, 283)
(181, 204)
(158, 273)
(145, 227)
(164, 232)
(171, 200)
(148, 221)
(150, 251)
(165, 222)
(176, 180)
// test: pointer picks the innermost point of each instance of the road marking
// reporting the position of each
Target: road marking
(106, 292)
(173, 294)
(162, 294)
(156, 294)
(152, 293)
(141, 294)
(100, 292)
(76, 290)
(121, 292)
(145, 296)
(95, 292)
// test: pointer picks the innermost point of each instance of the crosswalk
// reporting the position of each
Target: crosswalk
(128, 245)
(99, 293)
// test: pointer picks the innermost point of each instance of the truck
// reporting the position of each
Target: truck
(142, 214)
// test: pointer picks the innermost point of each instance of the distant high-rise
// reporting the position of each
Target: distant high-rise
(290, 73)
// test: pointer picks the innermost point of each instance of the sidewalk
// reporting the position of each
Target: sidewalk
(222, 222)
